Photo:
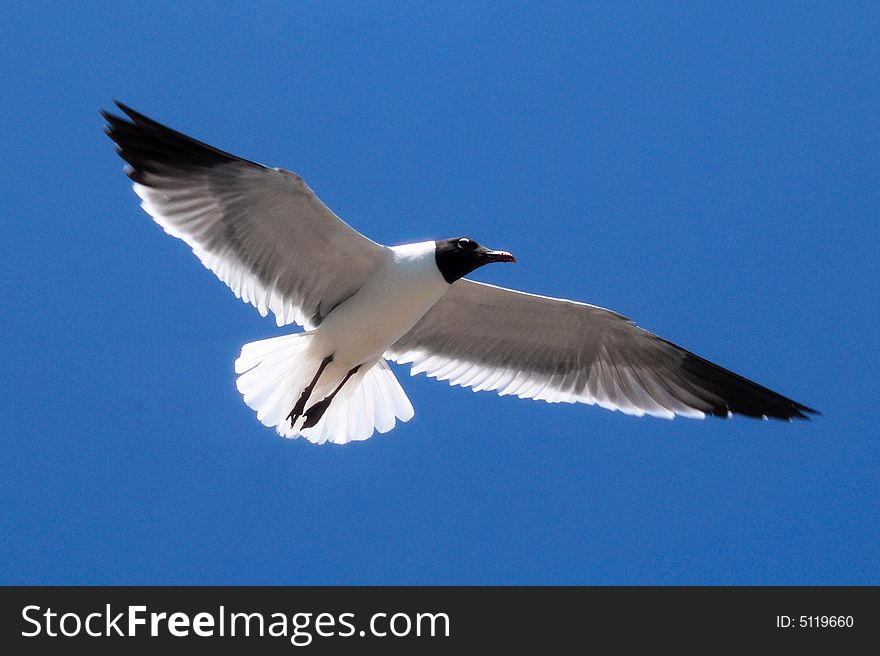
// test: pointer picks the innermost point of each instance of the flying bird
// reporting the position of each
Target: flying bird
(266, 234)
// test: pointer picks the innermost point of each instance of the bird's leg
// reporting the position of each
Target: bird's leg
(307, 392)
(314, 413)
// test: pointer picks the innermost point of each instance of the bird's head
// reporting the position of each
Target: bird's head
(459, 256)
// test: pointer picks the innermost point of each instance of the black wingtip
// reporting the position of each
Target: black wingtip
(124, 108)
(108, 116)
(803, 412)
(809, 411)
(150, 147)
(729, 393)
(140, 119)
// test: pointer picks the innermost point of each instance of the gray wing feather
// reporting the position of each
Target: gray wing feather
(555, 350)
(262, 231)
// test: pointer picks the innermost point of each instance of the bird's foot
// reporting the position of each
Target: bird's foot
(299, 407)
(314, 413)
(297, 411)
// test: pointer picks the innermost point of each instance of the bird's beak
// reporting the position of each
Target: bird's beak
(499, 256)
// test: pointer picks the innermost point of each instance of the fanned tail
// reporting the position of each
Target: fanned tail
(274, 372)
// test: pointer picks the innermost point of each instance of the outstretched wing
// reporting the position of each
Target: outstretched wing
(490, 338)
(262, 231)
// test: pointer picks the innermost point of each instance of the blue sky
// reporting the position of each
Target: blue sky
(708, 169)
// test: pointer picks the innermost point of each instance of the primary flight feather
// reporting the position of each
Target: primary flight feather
(266, 234)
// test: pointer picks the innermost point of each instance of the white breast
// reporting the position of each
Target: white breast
(391, 301)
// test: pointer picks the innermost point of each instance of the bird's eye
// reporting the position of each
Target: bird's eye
(464, 242)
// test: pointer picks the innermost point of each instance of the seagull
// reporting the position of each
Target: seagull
(266, 234)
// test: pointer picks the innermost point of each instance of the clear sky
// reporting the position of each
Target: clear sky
(709, 170)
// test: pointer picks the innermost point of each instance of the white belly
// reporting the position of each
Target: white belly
(398, 294)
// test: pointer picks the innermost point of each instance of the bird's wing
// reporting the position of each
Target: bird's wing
(262, 231)
(490, 338)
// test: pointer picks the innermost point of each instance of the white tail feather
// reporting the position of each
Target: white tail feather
(274, 372)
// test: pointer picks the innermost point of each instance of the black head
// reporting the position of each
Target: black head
(459, 256)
